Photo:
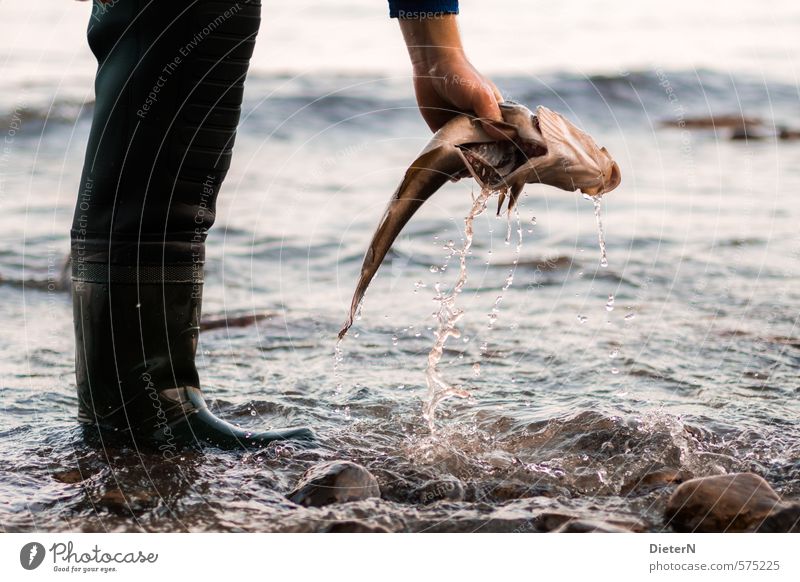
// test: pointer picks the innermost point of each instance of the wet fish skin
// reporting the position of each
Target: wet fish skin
(542, 148)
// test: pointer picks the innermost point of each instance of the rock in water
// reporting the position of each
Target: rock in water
(334, 482)
(440, 490)
(722, 503)
(590, 526)
(355, 526)
(785, 519)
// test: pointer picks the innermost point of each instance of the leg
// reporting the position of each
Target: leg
(169, 89)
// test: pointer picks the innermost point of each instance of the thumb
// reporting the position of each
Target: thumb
(487, 109)
(484, 103)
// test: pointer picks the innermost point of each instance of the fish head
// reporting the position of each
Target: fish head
(571, 161)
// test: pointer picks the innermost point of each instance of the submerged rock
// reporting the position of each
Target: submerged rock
(440, 490)
(233, 320)
(355, 526)
(722, 503)
(652, 481)
(334, 482)
(568, 522)
(123, 502)
(785, 519)
(590, 526)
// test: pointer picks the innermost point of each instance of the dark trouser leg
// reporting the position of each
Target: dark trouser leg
(168, 94)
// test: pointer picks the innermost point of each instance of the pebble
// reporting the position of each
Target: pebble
(334, 482)
(721, 503)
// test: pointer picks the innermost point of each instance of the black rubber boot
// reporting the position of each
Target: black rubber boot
(135, 350)
(169, 89)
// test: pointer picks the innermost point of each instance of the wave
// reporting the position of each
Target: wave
(376, 103)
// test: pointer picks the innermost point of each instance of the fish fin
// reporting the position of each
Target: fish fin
(513, 196)
(429, 172)
(500, 199)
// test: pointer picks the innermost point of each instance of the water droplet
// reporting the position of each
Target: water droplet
(476, 369)
(434, 269)
(583, 318)
(614, 353)
(600, 234)
(610, 303)
(614, 371)
(252, 413)
(394, 340)
(533, 220)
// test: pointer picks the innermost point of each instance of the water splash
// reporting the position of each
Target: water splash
(510, 277)
(448, 316)
(601, 237)
(338, 358)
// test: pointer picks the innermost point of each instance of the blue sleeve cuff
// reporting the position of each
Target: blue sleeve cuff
(419, 9)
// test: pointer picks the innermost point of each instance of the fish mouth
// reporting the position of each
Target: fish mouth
(491, 163)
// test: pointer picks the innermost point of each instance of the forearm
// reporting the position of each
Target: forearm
(432, 41)
(445, 82)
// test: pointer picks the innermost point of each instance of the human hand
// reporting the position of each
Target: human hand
(445, 82)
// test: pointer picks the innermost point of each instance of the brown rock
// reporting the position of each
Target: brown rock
(440, 490)
(123, 502)
(69, 476)
(551, 520)
(722, 503)
(785, 519)
(334, 482)
(355, 526)
(590, 526)
(652, 481)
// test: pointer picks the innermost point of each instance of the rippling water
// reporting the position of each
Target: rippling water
(692, 366)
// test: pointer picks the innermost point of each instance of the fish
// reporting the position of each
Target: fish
(542, 147)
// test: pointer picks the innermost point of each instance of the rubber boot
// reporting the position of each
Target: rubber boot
(169, 89)
(135, 366)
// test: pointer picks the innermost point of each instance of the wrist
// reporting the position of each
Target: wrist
(432, 42)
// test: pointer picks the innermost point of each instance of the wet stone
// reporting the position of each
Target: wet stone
(784, 519)
(590, 526)
(69, 476)
(120, 501)
(722, 503)
(440, 490)
(653, 480)
(355, 526)
(334, 482)
(511, 489)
